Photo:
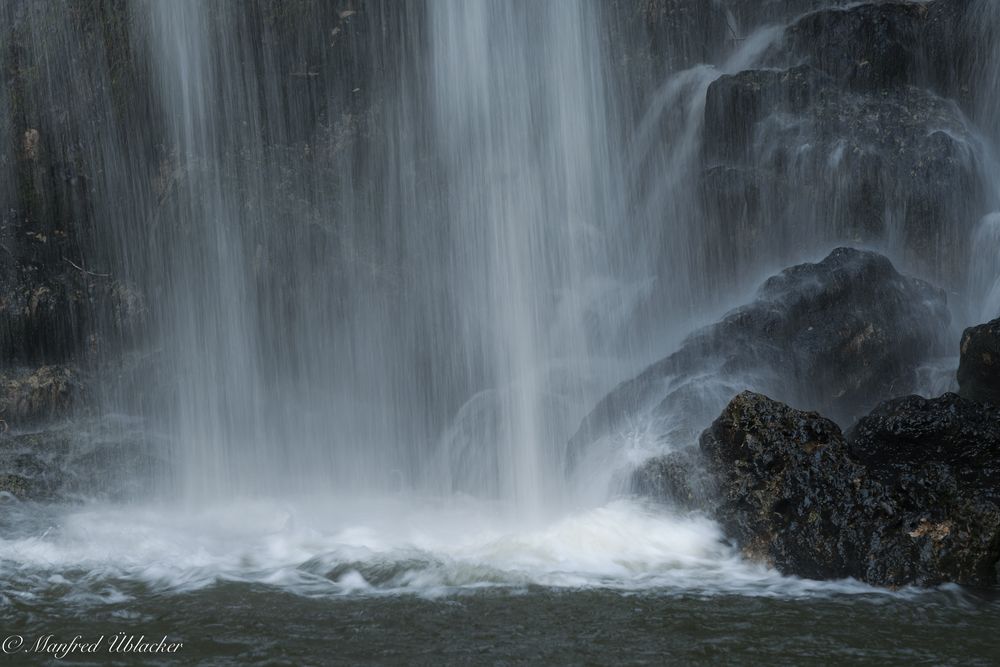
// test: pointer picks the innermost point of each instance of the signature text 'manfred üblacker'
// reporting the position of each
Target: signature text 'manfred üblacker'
(119, 643)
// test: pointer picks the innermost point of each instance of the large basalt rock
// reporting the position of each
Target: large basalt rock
(754, 12)
(949, 430)
(979, 365)
(789, 493)
(838, 336)
(868, 46)
(937, 459)
(693, 31)
(913, 498)
(939, 462)
(651, 39)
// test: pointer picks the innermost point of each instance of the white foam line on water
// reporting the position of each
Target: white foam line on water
(380, 546)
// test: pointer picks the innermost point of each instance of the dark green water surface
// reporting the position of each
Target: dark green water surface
(241, 624)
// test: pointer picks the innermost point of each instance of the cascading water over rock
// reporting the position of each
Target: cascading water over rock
(402, 249)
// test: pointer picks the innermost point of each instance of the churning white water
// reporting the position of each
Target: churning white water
(368, 546)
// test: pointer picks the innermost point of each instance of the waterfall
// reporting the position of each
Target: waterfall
(531, 198)
(391, 246)
(460, 302)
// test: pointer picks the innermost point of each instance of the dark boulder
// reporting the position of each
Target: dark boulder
(912, 499)
(648, 40)
(950, 429)
(859, 38)
(788, 492)
(939, 461)
(754, 12)
(979, 366)
(838, 336)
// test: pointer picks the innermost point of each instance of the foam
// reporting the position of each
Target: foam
(328, 546)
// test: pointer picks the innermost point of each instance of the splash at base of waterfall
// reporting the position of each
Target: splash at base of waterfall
(96, 554)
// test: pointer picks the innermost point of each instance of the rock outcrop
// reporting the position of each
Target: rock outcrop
(979, 366)
(912, 497)
(878, 45)
(788, 492)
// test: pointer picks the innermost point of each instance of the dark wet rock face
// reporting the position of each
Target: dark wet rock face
(788, 491)
(790, 147)
(872, 45)
(31, 395)
(31, 463)
(939, 461)
(979, 367)
(915, 430)
(838, 336)
(913, 498)
(753, 12)
(683, 32)
(46, 318)
(850, 329)
(851, 126)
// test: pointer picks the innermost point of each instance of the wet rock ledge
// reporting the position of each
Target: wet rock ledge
(910, 495)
